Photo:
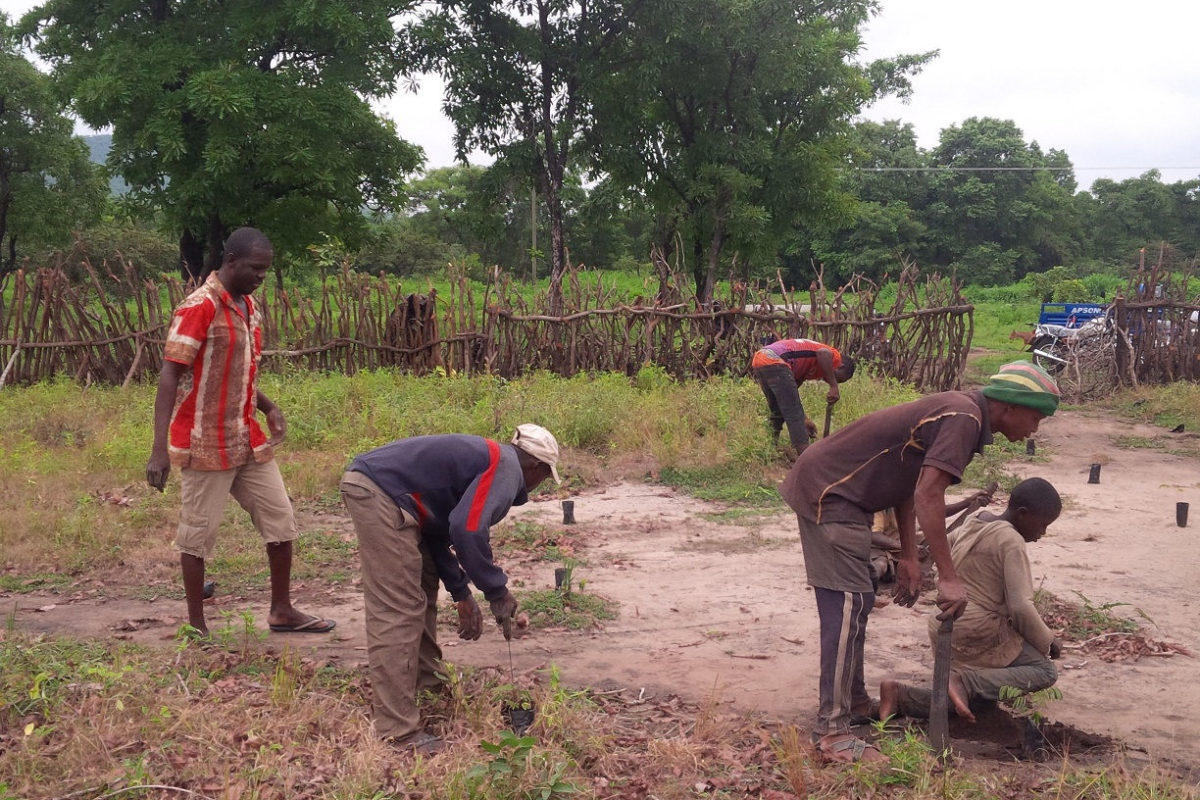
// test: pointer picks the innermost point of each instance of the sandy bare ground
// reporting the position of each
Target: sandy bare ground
(717, 610)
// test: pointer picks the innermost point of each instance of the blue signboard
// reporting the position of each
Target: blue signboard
(1070, 315)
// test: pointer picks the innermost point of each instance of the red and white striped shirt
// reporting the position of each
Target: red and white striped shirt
(213, 426)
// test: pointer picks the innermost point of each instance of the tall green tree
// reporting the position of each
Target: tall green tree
(1125, 216)
(732, 116)
(887, 174)
(518, 80)
(606, 226)
(237, 112)
(480, 214)
(48, 186)
(1002, 207)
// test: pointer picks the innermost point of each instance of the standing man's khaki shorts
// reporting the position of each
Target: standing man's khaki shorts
(258, 488)
(837, 555)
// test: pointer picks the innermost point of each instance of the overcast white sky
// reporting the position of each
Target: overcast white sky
(1115, 85)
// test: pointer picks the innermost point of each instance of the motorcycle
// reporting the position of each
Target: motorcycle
(1055, 346)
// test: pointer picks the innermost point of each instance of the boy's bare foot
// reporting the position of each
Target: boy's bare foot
(958, 696)
(889, 698)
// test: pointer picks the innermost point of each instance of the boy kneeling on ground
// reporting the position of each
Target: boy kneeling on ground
(1000, 640)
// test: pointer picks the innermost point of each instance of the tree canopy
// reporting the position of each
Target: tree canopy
(48, 186)
(1002, 208)
(1123, 216)
(237, 112)
(723, 134)
(519, 77)
(732, 118)
(984, 202)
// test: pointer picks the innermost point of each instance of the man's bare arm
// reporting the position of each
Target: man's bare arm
(159, 465)
(275, 421)
(929, 502)
(825, 362)
(908, 567)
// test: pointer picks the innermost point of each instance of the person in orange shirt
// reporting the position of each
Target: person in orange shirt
(782, 366)
(205, 424)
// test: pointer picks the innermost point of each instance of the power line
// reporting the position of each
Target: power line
(1011, 169)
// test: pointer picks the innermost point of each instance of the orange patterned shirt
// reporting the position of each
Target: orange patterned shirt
(213, 426)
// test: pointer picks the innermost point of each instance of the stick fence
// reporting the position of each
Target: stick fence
(110, 327)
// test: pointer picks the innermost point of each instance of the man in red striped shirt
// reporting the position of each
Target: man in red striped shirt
(411, 502)
(204, 423)
(780, 368)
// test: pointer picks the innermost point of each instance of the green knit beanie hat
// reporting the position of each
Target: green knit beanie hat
(1024, 383)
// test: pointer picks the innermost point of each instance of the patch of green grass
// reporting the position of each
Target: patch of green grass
(82, 452)
(519, 534)
(34, 582)
(983, 366)
(324, 555)
(1120, 783)
(740, 515)
(1134, 442)
(726, 483)
(576, 610)
(992, 465)
(1165, 406)
(532, 540)
(239, 567)
(749, 543)
(995, 320)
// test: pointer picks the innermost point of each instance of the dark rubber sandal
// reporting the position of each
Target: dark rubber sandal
(850, 750)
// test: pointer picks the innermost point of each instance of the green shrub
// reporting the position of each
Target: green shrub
(1070, 290)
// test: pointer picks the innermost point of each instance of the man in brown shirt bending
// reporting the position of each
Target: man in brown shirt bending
(905, 456)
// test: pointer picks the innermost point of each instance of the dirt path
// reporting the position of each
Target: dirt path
(719, 610)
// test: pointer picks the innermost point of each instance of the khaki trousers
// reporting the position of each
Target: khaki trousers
(400, 587)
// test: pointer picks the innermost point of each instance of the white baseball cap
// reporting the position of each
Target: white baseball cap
(539, 443)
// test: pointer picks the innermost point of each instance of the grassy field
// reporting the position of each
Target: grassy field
(101, 719)
(74, 499)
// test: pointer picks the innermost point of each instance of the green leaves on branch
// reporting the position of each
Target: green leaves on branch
(238, 113)
(48, 186)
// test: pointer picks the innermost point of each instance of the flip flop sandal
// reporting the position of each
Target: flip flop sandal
(313, 625)
(850, 750)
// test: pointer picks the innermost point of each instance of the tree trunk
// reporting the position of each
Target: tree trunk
(554, 153)
(8, 264)
(214, 250)
(558, 263)
(714, 254)
(191, 258)
(698, 265)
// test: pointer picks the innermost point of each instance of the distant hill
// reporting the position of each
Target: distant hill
(99, 144)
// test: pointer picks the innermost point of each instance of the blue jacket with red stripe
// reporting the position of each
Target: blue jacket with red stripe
(457, 486)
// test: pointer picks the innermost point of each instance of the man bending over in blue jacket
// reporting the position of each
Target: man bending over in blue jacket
(411, 501)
